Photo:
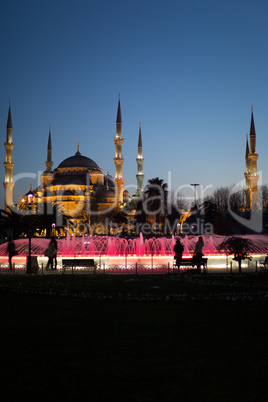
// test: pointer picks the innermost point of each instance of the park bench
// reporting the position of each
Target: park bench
(74, 263)
(264, 263)
(190, 262)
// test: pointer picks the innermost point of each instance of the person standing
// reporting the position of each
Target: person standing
(55, 245)
(50, 252)
(198, 252)
(11, 250)
(178, 249)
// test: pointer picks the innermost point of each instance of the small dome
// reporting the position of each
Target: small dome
(78, 160)
(104, 193)
(125, 196)
(109, 181)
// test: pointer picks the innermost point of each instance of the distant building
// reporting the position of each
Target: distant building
(9, 164)
(251, 175)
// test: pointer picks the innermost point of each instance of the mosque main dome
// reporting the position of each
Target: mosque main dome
(78, 160)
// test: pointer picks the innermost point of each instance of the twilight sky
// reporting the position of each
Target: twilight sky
(189, 71)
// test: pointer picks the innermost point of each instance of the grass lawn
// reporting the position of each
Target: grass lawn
(128, 339)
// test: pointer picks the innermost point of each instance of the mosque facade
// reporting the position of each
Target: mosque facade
(78, 187)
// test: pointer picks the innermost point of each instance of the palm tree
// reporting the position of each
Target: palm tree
(155, 200)
(5, 224)
(11, 223)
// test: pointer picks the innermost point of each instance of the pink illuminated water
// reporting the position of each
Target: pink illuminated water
(114, 246)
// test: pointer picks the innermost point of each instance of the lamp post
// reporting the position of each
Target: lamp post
(194, 185)
(30, 198)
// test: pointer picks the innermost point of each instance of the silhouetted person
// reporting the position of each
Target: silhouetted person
(198, 252)
(54, 242)
(178, 249)
(50, 252)
(11, 250)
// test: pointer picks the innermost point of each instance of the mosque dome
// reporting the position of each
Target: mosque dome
(109, 182)
(125, 196)
(105, 195)
(78, 160)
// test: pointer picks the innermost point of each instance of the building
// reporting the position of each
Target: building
(77, 187)
(9, 164)
(251, 175)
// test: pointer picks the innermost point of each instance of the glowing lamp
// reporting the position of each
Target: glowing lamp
(30, 197)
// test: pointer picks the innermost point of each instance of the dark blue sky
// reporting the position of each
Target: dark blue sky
(188, 70)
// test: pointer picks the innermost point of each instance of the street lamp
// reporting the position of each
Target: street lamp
(194, 185)
(30, 199)
(53, 231)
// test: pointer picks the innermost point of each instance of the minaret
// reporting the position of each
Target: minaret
(49, 162)
(47, 175)
(119, 160)
(9, 164)
(247, 189)
(251, 175)
(140, 160)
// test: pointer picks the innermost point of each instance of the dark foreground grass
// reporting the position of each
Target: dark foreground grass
(74, 348)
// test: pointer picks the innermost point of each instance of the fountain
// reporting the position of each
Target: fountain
(83, 247)
(74, 250)
(186, 245)
(141, 244)
(112, 249)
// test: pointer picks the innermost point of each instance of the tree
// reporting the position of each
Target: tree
(225, 199)
(6, 226)
(237, 200)
(140, 218)
(264, 193)
(220, 198)
(117, 220)
(222, 224)
(209, 210)
(12, 223)
(177, 200)
(239, 247)
(155, 200)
